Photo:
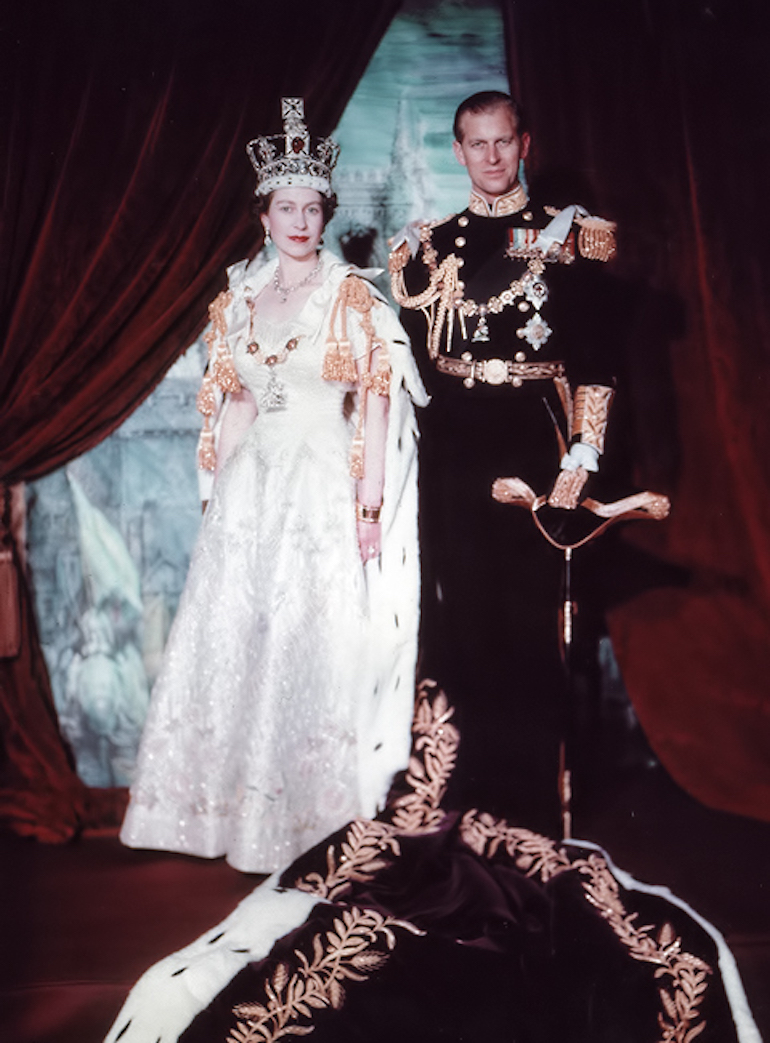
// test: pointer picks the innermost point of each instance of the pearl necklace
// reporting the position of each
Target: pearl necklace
(284, 291)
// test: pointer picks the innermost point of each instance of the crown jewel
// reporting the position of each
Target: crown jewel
(293, 159)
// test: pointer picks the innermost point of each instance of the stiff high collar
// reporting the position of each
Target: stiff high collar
(510, 203)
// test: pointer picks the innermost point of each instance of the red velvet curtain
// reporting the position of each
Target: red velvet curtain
(125, 193)
(664, 107)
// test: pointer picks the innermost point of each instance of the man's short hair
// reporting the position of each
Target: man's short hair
(486, 101)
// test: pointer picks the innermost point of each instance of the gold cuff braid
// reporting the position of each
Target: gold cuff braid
(591, 410)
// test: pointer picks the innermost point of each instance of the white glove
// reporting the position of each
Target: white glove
(580, 454)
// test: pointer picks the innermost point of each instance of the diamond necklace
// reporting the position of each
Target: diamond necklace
(284, 291)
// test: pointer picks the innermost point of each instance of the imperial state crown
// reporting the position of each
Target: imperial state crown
(293, 159)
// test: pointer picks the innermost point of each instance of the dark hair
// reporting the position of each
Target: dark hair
(261, 205)
(486, 101)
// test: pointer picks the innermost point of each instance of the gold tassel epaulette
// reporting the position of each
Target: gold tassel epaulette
(596, 238)
(379, 381)
(206, 399)
(224, 374)
(221, 365)
(339, 364)
(220, 373)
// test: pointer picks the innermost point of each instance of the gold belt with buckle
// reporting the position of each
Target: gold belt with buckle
(497, 371)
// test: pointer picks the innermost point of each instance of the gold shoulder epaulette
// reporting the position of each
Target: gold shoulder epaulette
(596, 239)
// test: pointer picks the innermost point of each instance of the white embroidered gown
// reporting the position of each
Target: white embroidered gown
(284, 702)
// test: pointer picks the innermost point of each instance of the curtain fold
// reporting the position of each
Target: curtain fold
(125, 194)
(662, 107)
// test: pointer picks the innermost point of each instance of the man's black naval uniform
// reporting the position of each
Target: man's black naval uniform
(514, 342)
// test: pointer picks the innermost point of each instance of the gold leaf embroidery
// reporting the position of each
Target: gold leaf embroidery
(436, 740)
(358, 859)
(343, 953)
(535, 854)
(360, 855)
(680, 1021)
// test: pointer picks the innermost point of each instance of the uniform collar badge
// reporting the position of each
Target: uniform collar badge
(510, 203)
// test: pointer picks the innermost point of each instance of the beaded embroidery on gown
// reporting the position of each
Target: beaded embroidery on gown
(253, 743)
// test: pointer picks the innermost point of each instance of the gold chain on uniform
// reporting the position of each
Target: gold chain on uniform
(444, 289)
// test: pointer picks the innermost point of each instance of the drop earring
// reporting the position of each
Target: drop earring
(268, 239)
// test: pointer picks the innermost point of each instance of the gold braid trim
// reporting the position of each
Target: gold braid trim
(220, 372)
(590, 414)
(345, 953)
(207, 453)
(680, 1020)
(340, 365)
(449, 293)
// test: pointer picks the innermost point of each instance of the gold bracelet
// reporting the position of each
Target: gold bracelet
(367, 514)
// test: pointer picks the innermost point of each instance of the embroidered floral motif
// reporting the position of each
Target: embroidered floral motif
(345, 953)
(680, 1021)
